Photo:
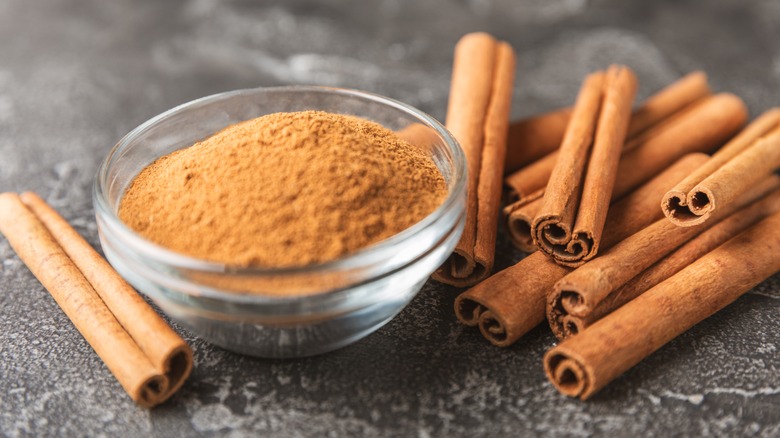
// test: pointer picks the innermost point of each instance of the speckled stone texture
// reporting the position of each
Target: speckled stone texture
(77, 75)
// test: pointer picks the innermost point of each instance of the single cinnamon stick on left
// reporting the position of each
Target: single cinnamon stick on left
(583, 364)
(571, 220)
(478, 116)
(148, 359)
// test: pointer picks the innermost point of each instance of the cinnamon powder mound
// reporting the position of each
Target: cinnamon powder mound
(286, 189)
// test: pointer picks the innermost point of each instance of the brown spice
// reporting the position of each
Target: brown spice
(675, 262)
(583, 364)
(545, 132)
(582, 291)
(700, 128)
(570, 222)
(735, 168)
(483, 73)
(511, 302)
(286, 189)
(149, 360)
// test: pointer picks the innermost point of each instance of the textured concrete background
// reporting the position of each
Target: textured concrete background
(76, 76)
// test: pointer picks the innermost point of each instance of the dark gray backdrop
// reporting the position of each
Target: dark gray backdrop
(76, 76)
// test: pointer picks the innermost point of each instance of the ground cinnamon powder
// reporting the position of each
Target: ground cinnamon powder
(286, 189)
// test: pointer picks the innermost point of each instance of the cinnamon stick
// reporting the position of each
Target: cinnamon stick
(148, 359)
(679, 259)
(571, 219)
(701, 128)
(670, 100)
(581, 291)
(583, 364)
(518, 218)
(478, 117)
(530, 179)
(511, 302)
(749, 157)
(662, 106)
(532, 138)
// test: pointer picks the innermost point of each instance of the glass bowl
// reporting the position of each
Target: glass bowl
(250, 310)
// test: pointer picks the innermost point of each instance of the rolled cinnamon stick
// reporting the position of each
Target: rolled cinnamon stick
(518, 217)
(583, 364)
(679, 259)
(511, 302)
(530, 179)
(532, 138)
(701, 128)
(148, 359)
(581, 291)
(670, 100)
(748, 158)
(478, 116)
(571, 219)
(662, 106)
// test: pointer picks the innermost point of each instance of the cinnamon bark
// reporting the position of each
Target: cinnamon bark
(530, 179)
(679, 259)
(510, 303)
(701, 128)
(478, 117)
(532, 138)
(583, 364)
(571, 219)
(670, 100)
(518, 218)
(749, 157)
(148, 359)
(581, 291)
(660, 107)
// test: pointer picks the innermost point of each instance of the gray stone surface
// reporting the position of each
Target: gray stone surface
(76, 75)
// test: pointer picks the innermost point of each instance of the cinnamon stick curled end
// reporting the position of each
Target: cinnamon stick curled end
(468, 310)
(568, 374)
(518, 218)
(462, 269)
(688, 209)
(160, 387)
(750, 156)
(556, 238)
(495, 330)
(472, 312)
(519, 228)
(572, 325)
(564, 308)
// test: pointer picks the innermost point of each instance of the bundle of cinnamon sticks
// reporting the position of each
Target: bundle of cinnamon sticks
(635, 233)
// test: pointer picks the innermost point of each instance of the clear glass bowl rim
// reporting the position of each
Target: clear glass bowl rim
(363, 258)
